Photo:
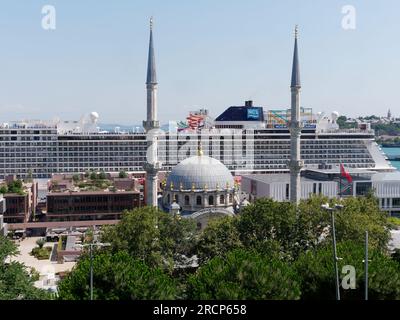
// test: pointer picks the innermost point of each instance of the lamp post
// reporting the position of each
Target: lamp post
(335, 257)
(91, 245)
(366, 265)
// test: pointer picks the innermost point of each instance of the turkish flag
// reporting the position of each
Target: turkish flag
(345, 174)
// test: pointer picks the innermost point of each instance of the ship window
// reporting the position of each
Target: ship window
(396, 202)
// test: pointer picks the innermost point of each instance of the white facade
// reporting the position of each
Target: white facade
(276, 187)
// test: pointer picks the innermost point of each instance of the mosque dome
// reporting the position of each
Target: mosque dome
(200, 172)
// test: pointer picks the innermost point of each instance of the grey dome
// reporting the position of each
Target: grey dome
(200, 171)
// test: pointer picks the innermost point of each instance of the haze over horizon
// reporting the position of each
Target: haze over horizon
(208, 55)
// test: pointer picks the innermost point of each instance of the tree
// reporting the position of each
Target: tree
(122, 174)
(359, 215)
(220, 236)
(76, 178)
(93, 175)
(102, 175)
(308, 226)
(15, 186)
(3, 189)
(267, 224)
(116, 276)
(16, 281)
(318, 278)
(244, 275)
(151, 235)
(40, 242)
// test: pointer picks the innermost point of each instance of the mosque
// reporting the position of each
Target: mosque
(200, 187)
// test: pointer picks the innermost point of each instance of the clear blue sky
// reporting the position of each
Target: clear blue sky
(209, 54)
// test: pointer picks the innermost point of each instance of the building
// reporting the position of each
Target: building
(201, 188)
(90, 205)
(327, 181)
(277, 187)
(21, 202)
(78, 197)
(3, 225)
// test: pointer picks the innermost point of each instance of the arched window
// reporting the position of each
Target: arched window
(230, 198)
(187, 200)
(221, 199)
(198, 201)
(176, 198)
(168, 198)
(211, 200)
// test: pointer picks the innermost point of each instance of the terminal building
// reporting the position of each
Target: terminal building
(327, 181)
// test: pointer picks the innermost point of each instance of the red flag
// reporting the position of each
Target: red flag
(345, 174)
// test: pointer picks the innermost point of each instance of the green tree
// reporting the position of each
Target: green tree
(244, 275)
(116, 277)
(153, 236)
(102, 175)
(318, 277)
(93, 175)
(15, 186)
(359, 215)
(308, 226)
(40, 242)
(220, 236)
(3, 189)
(76, 178)
(122, 174)
(16, 281)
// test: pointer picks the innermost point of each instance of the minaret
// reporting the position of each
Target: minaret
(152, 165)
(295, 164)
(151, 86)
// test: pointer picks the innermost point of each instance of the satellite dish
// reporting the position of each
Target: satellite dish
(94, 116)
(334, 116)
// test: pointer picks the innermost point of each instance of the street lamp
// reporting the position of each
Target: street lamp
(91, 245)
(335, 257)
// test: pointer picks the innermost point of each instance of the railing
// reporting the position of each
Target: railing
(346, 131)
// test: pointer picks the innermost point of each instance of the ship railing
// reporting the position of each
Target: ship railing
(346, 131)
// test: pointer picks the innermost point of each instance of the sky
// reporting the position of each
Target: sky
(209, 54)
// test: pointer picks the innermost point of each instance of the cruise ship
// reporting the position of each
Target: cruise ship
(246, 138)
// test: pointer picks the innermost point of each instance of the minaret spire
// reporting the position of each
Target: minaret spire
(151, 62)
(151, 86)
(152, 165)
(295, 163)
(295, 67)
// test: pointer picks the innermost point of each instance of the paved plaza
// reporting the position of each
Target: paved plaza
(42, 266)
